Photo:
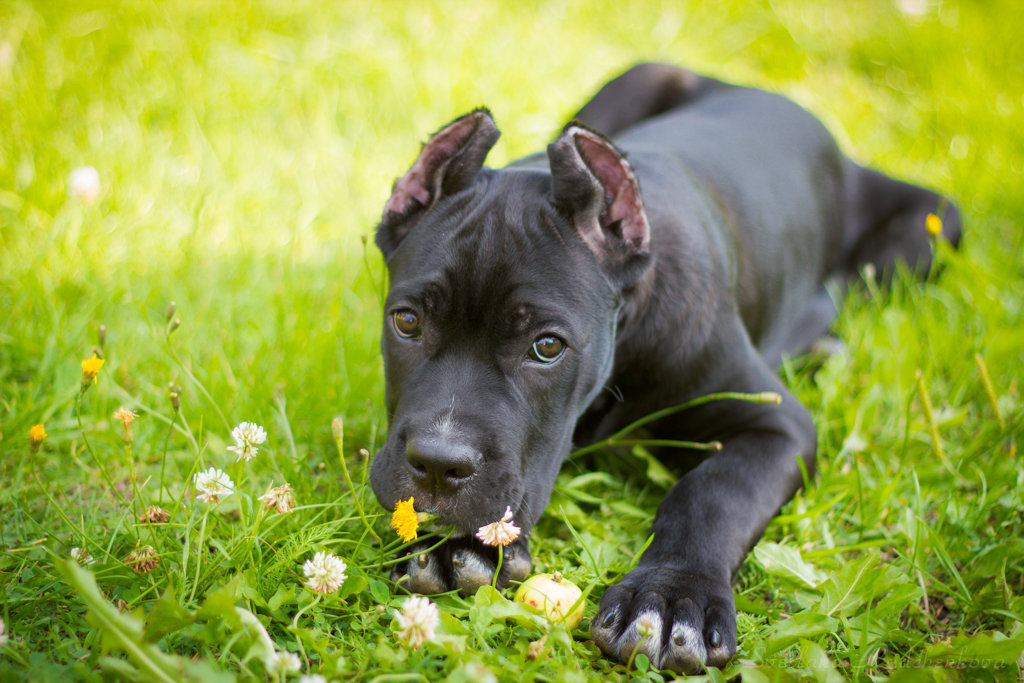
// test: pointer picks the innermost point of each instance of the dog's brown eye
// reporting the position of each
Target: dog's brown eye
(407, 324)
(547, 349)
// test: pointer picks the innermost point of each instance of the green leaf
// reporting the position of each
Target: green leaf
(248, 588)
(857, 583)
(352, 585)
(489, 604)
(818, 662)
(379, 592)
(921, 675)
(121, 631)
(220, 603)
(657, 473)
(983, 649)
(896, 600)
(629, 510)
(285, 595)
(785, 562)
(574, 488)
(114, 667)
(167, 616)
(802, 625)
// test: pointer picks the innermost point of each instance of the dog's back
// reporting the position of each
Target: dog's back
(775, 176)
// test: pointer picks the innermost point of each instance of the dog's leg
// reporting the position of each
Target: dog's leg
(677, 606)
(644, 91)
(885, 222)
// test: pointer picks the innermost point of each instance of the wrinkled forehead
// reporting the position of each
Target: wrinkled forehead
(501, 245)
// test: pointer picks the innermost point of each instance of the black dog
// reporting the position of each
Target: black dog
(519, 297)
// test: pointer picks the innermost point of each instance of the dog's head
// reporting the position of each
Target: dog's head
(500, 321)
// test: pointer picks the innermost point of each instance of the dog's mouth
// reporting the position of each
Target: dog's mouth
(468, 509)
(441, 512)
(448, 486)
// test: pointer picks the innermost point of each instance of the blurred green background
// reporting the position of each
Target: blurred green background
(245, 148)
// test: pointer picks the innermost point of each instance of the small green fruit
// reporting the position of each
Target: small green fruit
(553, 595)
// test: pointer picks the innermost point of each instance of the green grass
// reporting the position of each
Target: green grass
(245, 150)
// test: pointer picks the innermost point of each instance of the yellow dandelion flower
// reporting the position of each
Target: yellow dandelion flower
(934, 225)
(36, 436)
(404, 520)
(90, 368)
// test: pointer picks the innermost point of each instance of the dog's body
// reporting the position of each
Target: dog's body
(520, 296)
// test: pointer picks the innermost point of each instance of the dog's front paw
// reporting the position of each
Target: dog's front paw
(462, 564)
(681, 620)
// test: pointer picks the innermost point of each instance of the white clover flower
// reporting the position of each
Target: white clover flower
(212, 485)
(81, 556)
(279, 663)
(325, 572)
(418, 620)
(248, 436)
(312, 678)
(84, 184)
(279, 497)
(3, 633)
(501, 532)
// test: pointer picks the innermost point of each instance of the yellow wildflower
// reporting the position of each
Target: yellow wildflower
(934, 225)
(90, 368)
(36, 436)
(404, 520)
(126, 417)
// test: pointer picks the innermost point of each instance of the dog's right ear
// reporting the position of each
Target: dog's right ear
(449, 162)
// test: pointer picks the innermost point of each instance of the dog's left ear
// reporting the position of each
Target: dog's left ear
(595, 186)
(449, 162)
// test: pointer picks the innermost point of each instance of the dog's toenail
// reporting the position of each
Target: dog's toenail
(457, 561)
(715, 638)
(678, 640)
(422, 561)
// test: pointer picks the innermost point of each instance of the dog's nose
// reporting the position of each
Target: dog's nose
(441, 462)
